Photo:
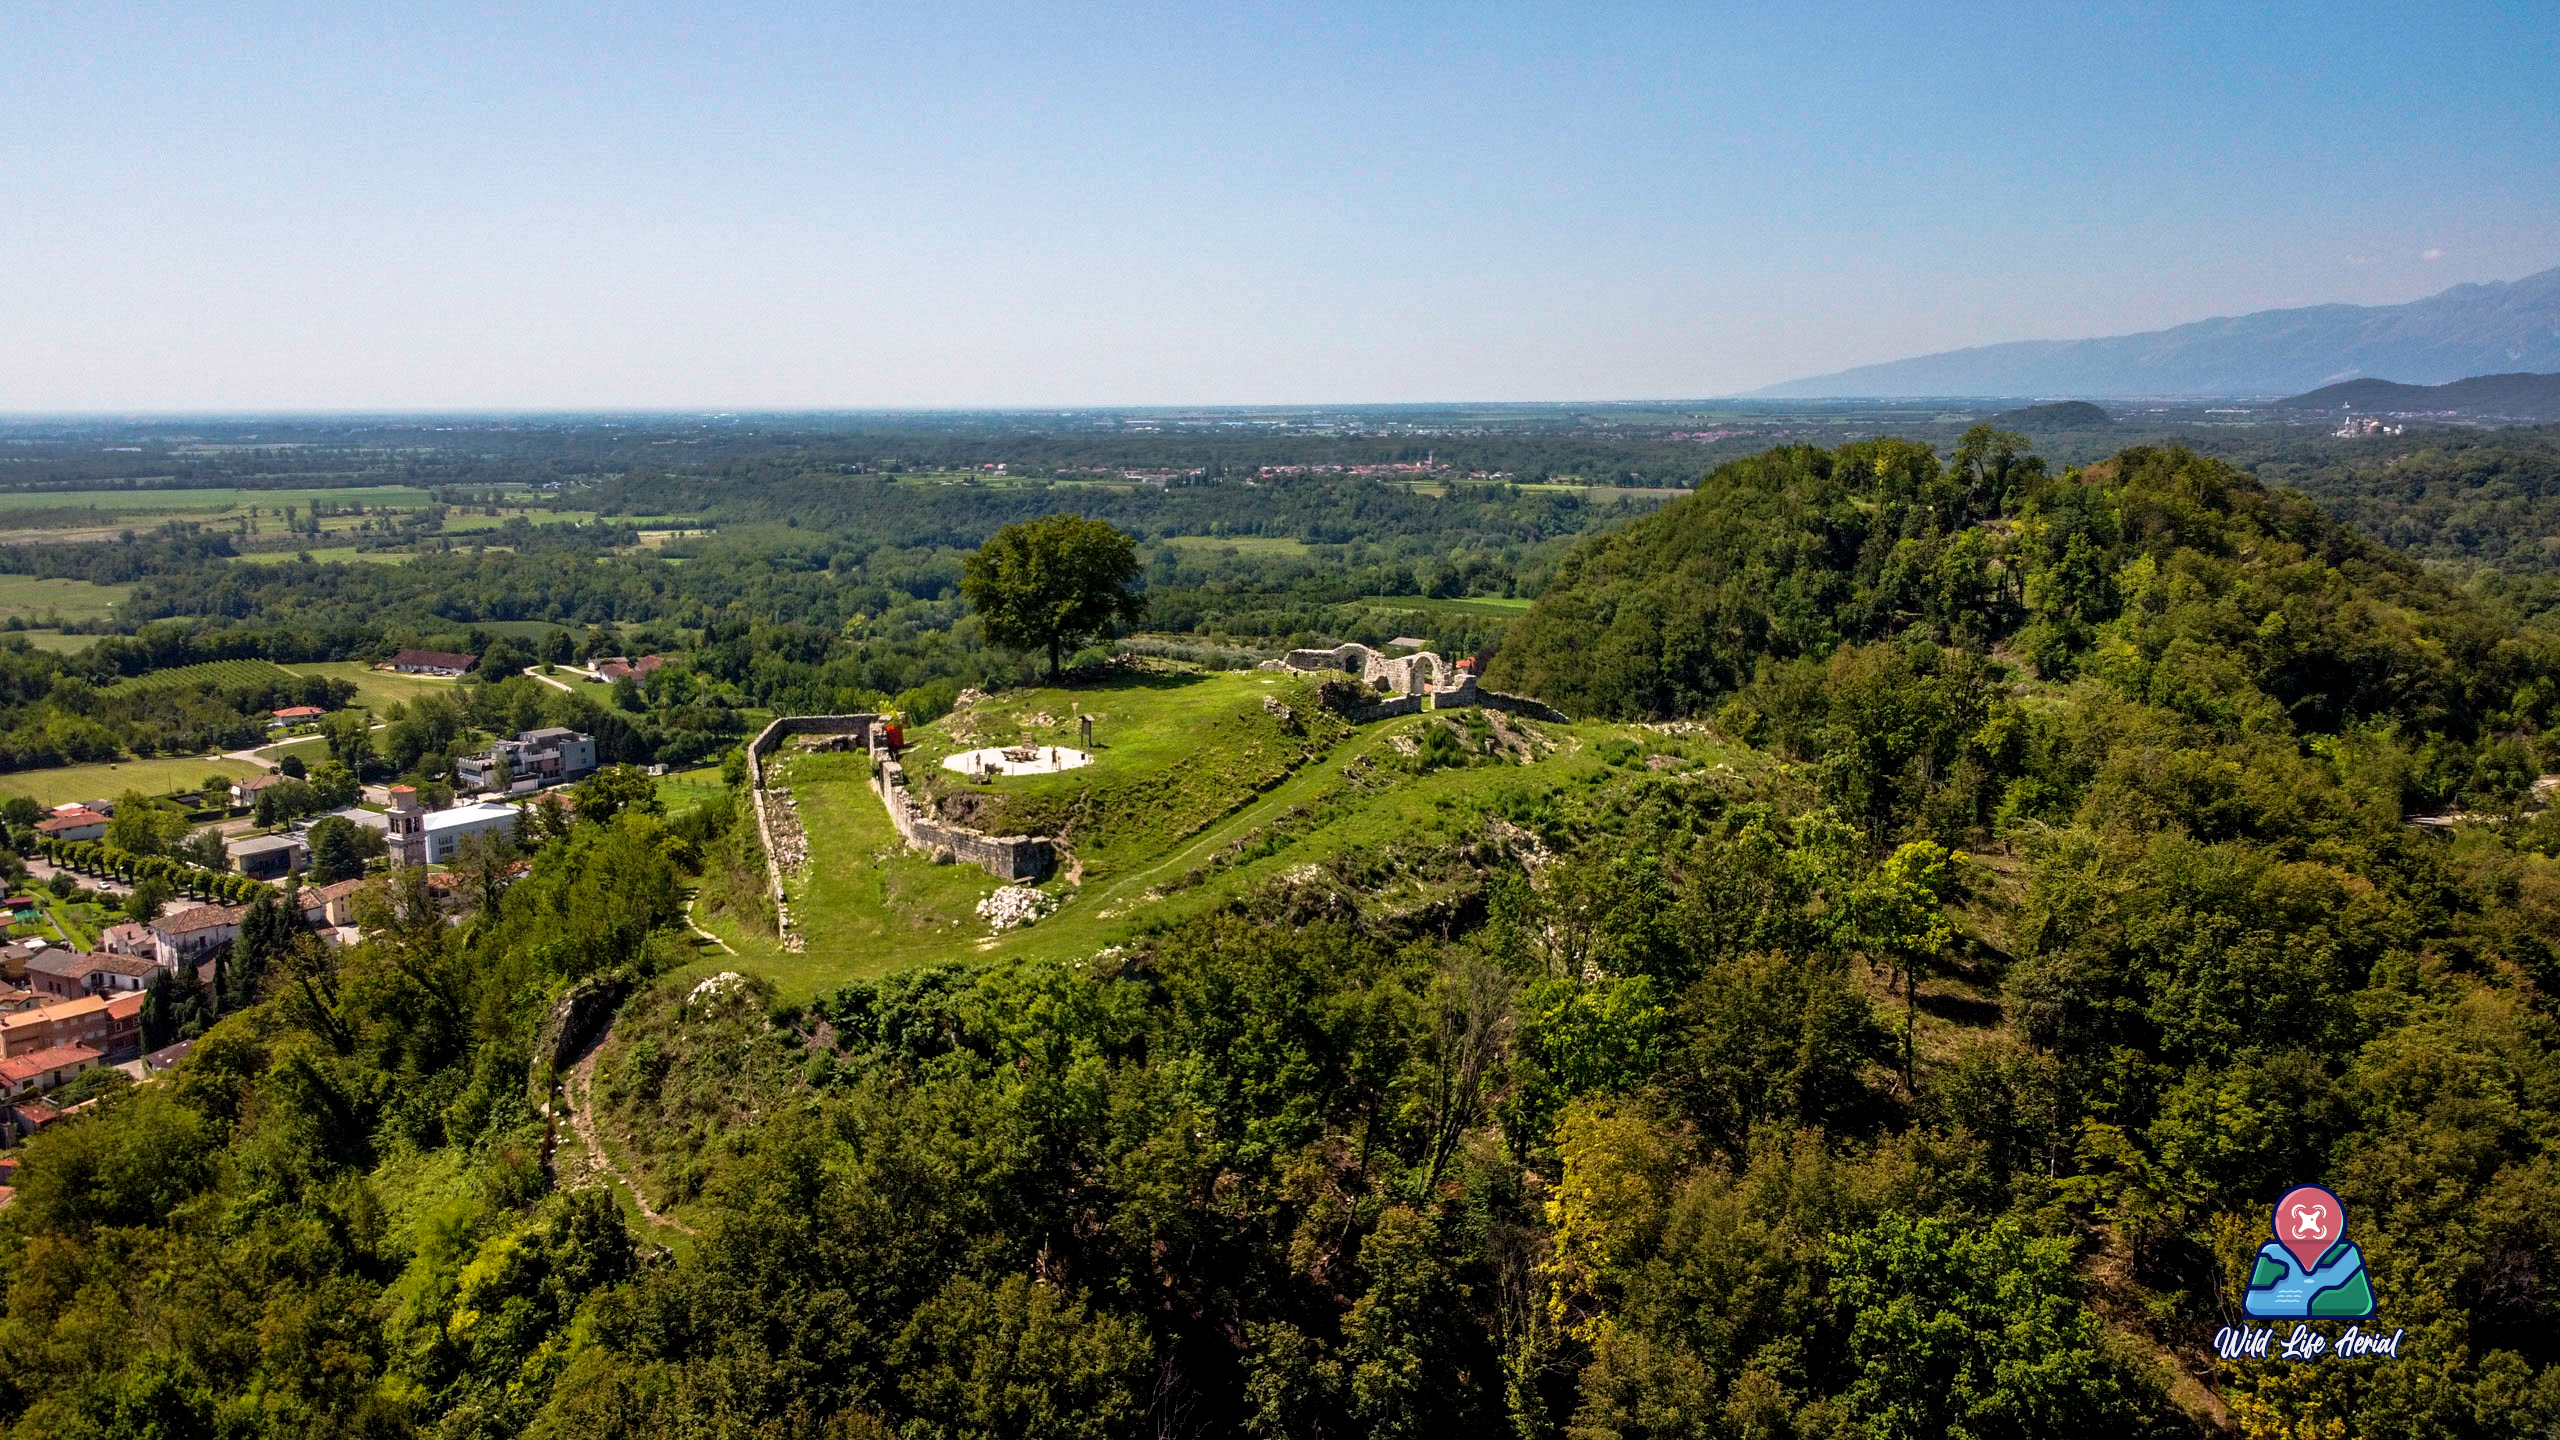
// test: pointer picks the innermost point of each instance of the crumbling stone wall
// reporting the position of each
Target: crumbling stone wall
(1407, 674)
(784, 848)
(1006, 857)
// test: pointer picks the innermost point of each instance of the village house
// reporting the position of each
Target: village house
(616, 667)
(57, 1022)
(531, 760)
(40, 1070)
(76, 824)
(268, 857)
(71, 974)
(128, 938)
(124, 1027)
(245, 792)
(296, 715)
(433, 662)
(189, 936)
(329, 909)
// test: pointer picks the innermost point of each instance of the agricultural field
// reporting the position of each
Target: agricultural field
(1503, 605)
(159, 775)
(1257, 545)
(32, 599)
(210, 672)
(53, 640)
(216, 500)
(379, 690)
(328, 554)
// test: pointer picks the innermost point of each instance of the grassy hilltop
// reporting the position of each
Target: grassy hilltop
(1968, 895)
(1200, 791)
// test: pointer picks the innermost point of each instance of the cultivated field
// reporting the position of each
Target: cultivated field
(327, 554)
(210, 672)
(162, 775)
(32, 599)
(379, 690)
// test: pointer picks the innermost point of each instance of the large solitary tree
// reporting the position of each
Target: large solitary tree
(1045, 584)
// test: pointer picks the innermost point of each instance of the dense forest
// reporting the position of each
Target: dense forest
(1930, 1076)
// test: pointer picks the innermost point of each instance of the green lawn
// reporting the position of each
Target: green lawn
(312, 748)
(1172, 752)
(161, 775)
(1197, 791)
(1471, 605)
(215, 500)
(30, 598)
(688, 788)
(867, 905)
(329, 554)
(378, 690)
(1241, 544)
(53, 640)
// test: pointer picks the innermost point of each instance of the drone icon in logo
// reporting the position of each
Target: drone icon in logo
(2309, 1271)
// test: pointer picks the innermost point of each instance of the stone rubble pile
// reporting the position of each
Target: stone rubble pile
(782, 818)
(1014, 906)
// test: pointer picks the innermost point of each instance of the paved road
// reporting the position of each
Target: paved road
(40, 870)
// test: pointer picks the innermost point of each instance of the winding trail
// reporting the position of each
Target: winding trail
(705, 934)
(574, 1093)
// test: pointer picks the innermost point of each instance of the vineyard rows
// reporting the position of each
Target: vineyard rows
(220, 674)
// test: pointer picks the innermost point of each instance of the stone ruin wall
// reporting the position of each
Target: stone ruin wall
(1006, 857)
(773, 823)
(1415, 693)
(1011, 858)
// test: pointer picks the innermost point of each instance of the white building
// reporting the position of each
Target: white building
(432, 837)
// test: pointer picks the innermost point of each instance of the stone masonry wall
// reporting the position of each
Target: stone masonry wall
(1006, 857)
(763, 803)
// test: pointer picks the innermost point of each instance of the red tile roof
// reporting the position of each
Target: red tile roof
(300, 712)
(202, 917)
(19, 1069)
(436, 659)
(75, 820)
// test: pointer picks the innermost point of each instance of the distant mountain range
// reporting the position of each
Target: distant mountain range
(2511, 397)
(2467, 330)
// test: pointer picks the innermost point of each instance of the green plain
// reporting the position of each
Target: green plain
(379, 690)
(1241, 544)
(159, 775)
(29, 598)
(1469, 605)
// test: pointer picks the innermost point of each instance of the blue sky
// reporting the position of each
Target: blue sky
(354, 206)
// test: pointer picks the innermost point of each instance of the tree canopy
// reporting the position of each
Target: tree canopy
(1045, 584)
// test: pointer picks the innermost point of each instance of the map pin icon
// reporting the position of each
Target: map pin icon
(2308, 1220)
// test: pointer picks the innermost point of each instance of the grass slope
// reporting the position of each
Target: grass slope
(159, 776)
(30, 598)
(379, 689)
(1203, 793)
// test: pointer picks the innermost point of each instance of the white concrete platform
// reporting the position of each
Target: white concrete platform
(1050, 759)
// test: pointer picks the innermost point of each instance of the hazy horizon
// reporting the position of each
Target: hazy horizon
(278, 210)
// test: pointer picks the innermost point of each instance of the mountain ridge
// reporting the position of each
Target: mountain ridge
(2468, 330)
(2520, 396)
